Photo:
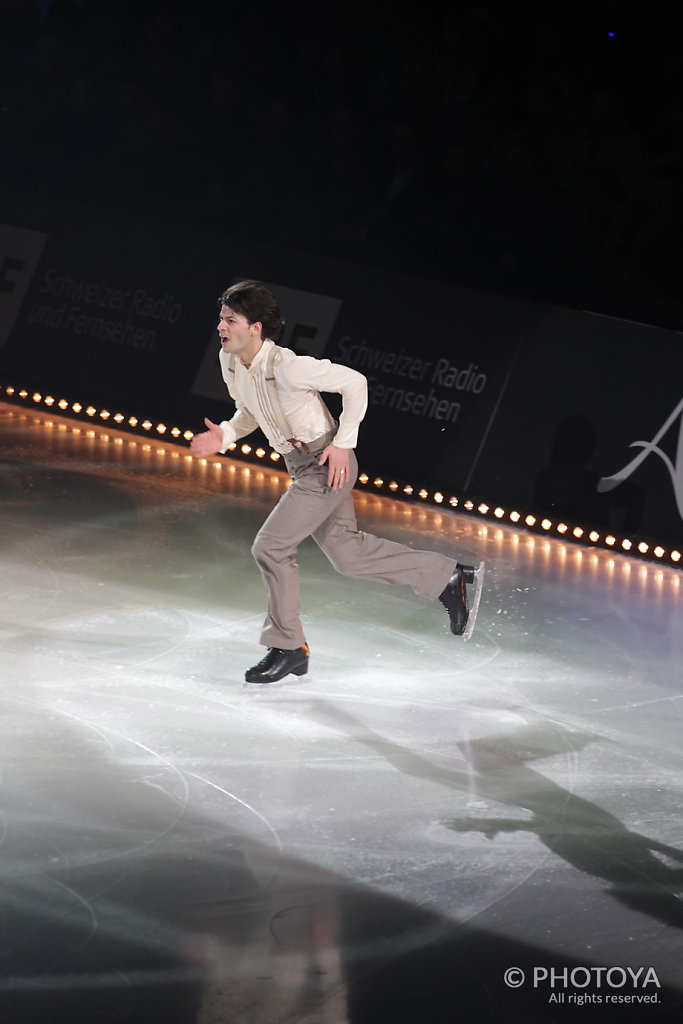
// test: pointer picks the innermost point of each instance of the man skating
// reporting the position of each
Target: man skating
(279, 391)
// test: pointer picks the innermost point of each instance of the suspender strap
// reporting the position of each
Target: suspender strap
(270, 394)
(276, 404)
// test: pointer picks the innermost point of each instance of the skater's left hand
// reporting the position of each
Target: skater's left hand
(337, 460)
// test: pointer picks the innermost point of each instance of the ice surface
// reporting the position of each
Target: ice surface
(377, 841)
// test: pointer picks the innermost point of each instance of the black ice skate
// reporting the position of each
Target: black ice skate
(277, 664)
(454, 598)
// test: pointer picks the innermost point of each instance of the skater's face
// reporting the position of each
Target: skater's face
(237, 334)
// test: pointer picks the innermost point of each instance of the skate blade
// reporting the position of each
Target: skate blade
(278, 684)
(478, 583)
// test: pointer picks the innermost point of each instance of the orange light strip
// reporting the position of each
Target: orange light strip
(643, 549)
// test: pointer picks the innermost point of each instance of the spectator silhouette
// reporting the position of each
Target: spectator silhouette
(567, 486)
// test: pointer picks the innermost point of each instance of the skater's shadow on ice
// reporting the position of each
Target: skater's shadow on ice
(583, 834)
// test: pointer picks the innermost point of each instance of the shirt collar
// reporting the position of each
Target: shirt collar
(259, 357)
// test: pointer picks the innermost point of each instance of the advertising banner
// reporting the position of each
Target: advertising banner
(108, 310)
(124, 312)
(470, 393)
(590, 427)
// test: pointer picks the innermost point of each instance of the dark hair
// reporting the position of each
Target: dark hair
(254, 301)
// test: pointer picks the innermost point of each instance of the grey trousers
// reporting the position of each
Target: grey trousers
(309, 508)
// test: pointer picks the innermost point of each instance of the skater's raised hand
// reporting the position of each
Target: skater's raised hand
(209, 442)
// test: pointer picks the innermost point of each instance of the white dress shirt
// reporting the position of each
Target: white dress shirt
(299, 381)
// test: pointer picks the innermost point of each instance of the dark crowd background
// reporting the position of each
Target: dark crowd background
(533, 149)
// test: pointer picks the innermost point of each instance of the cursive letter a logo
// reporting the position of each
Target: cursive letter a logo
(608, 483)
